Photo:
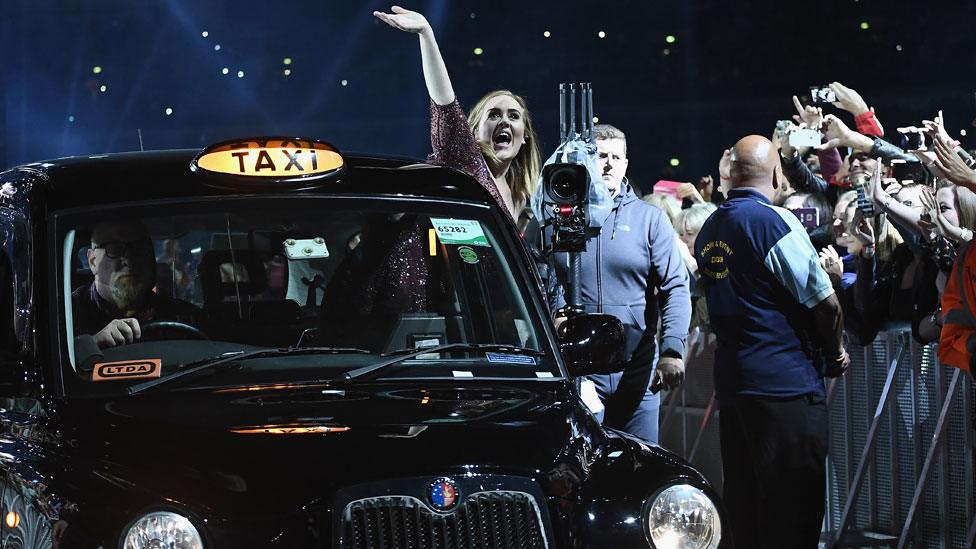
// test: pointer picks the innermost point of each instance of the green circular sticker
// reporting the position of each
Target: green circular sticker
(468, 255)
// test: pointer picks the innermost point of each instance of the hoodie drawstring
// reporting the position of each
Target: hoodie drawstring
(618, 200)
(616, 216)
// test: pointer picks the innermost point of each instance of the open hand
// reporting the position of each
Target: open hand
(936, 128)
(876, 191)
(955, 169)
(405, 20)
(940, 223)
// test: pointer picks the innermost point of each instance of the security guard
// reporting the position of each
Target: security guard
(779, 326)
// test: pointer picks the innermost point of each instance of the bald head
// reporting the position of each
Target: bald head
(755, 163)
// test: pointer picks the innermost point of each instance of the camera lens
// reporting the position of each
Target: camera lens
(562, 186)
(566, 183)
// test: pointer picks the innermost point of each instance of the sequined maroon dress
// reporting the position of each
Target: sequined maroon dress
(389, 273)
(455, 147)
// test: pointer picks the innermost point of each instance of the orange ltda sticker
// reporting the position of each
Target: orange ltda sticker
(127, 369)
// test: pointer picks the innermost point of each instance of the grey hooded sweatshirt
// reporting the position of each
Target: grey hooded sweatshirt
(634, 271)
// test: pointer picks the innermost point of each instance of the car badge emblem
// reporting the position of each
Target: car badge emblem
(443, 494)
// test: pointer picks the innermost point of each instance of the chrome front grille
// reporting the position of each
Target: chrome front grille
(487, 520)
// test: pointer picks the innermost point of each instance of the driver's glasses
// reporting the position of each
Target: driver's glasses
(116, 249)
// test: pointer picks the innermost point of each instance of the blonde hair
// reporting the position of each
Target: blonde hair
(667, 204)
(965, 203)
(887, 237)
(523, 173)
(691, 219)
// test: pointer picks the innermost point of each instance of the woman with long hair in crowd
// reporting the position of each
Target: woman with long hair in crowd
(884, 273)
(905, 286)
(948, 221)
(687, 225)
(495, 144)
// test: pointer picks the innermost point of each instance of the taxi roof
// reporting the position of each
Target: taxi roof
(138, 176)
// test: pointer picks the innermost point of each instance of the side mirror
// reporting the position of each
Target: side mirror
(592, 344)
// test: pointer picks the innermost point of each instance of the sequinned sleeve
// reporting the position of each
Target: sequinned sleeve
(454, 146)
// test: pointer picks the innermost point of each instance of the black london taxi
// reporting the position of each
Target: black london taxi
(268, 343)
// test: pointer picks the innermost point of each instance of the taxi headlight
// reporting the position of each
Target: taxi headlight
(682, 517)
(162, 529)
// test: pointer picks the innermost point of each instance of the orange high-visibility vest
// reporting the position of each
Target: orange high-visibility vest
(957, 344)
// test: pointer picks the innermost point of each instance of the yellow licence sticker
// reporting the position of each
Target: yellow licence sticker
(127, 369)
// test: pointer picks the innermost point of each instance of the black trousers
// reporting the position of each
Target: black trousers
(774, 460)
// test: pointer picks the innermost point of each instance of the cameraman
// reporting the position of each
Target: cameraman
(634, 271)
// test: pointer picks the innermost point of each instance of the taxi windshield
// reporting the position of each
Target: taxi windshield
(280, 290)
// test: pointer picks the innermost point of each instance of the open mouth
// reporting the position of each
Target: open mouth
(502, 138)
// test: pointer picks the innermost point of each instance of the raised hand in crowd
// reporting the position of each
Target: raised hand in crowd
(781, 140)
(863, 230)
(954, 167)
(725, 172)
(848, 99)
(706, 186)
(839, 135)
(940, 224)
(832, 264)
(936, 128)
(687, 190)
(809, 115)
(844, 170)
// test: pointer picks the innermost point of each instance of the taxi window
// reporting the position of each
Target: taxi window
(243, 275)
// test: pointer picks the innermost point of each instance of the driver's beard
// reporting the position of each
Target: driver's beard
(128, 291)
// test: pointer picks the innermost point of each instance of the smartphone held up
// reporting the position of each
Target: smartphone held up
(804, 138)
(809, 217)
(822, 95)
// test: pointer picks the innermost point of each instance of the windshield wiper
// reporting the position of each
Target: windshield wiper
(400, 355)
(217, 361)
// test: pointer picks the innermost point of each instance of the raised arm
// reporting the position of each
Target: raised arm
(435, 71)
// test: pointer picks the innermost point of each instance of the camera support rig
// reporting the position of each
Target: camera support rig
(566, 194)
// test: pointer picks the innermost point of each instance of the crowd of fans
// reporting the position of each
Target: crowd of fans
(888, 253)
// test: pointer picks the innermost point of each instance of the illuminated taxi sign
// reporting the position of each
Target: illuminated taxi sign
(270, 158)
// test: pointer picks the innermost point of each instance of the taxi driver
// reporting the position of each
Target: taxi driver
(120, 300)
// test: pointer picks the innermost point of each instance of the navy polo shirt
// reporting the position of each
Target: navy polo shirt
(760, 276)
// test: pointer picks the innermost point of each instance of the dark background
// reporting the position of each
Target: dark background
(730, 72)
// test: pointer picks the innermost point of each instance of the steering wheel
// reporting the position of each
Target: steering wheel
(155, 328)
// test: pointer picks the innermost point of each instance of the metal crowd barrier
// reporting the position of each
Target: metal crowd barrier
(900, 468)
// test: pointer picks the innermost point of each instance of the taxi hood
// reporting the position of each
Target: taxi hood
(239, 450)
